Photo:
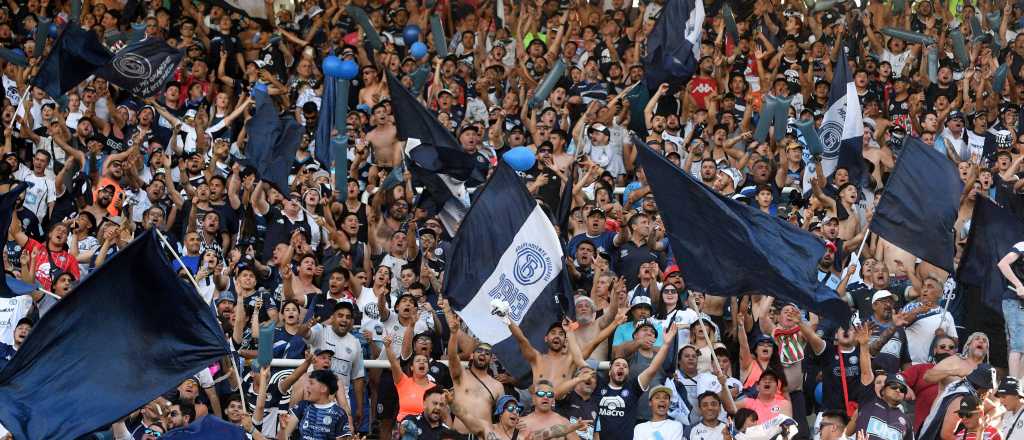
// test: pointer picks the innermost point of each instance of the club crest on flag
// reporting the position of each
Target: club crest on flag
(532, 264)
(133, 66)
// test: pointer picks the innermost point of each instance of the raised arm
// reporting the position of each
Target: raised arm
(648, 374)
(396, 367)
(529, 353)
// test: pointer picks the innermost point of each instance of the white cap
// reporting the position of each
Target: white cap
(881, 294)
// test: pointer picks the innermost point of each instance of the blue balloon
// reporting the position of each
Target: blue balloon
(411, 34)
(418, 50)
(332, 66)
(349, 69)
(818, 396)
(520, 158)
(53, 30)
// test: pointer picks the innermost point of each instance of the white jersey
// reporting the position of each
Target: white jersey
(347, 362)
(11, 311)
(395, 329)
(661, 430)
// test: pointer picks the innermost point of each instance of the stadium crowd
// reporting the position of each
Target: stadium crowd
(354, 273)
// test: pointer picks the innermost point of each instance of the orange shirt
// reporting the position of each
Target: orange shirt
(410, 397)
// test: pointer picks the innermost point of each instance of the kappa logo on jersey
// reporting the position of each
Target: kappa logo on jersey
(613, 406)
(703, 88)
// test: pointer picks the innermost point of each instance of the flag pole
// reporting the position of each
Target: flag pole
(867, 233)
(178, 259)
(700, 321)
(20, 104)
(231, 344)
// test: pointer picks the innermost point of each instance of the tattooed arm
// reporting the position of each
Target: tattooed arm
(560, 431)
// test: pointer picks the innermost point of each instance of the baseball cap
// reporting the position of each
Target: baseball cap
(955, 114)
(599, 127)
(595, 211)
(881, 294)
(1009, 386)
(968, 405)
(896, 379)
(322, 351)
(640, 301)
(660, 389)
(672, 270)
(645, 323)
(226, 296)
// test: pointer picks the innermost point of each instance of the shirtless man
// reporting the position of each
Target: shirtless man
(544, 421)
(561, 359)
(954, 368)
(475, 389)
(374, 88)
(506, 421)
(387, 150)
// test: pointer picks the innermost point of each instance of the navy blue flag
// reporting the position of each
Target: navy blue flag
(728, 248)
(276, 163)
(325, 122)
(142, 68)
(103, 352)
(994, 231)
(435, 158)
(13, 287)
(673, 53)
(262, 130)
(75, 56)
(207, 428)
(918, 209)
(508, 250)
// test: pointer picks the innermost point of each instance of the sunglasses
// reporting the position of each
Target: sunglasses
(545, 394)
(153, 433)
(514, 409)
(899, 388)
(946, 347)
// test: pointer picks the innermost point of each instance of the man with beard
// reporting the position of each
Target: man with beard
(953, 368)
(347, 352)
(562, 357)
(101, 203)
(435, 412)
(926, 392)
(880, 415)
(544, 422)
(619, 397)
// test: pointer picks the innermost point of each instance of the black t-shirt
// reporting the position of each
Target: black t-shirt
(934, 90)
(831, 383)
(861, 294)
(279, 229)
(426, 431)
(576, 408)
(616, 414)
(628, 259)
(551, 192)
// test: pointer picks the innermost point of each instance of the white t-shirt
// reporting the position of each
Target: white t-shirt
(700, 431)
(685, 317)
(395, 329)
(347, 362)
(41, 191)
(922, 331)
(367, 303)
(11, 311)
(665, 430)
